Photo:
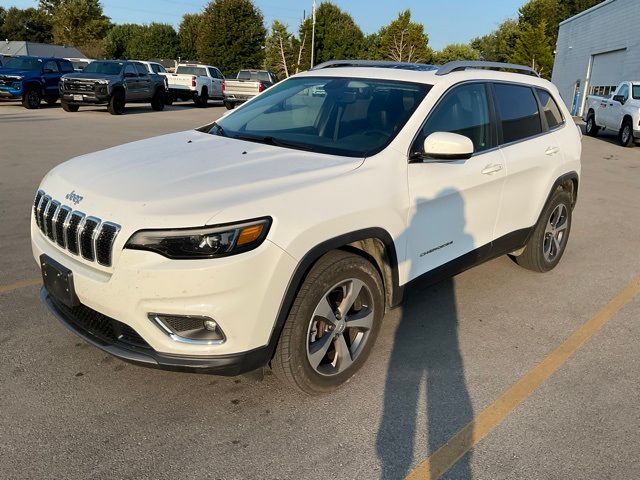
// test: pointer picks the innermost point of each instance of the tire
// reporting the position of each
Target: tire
(625, 136)
(549, 240)
(67, 107)
(116, 103)
(229, 105)
(591, 128)
(168, 99)
(329, 282)
(51, 101)
(202, 99)
(157, 102)
(32, 98)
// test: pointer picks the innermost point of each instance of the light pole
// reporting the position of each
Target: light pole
(313, 32)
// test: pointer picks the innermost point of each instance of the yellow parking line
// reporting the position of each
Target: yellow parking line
(21, 284)
(472, 433)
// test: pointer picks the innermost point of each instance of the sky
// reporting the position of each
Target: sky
(445, 21)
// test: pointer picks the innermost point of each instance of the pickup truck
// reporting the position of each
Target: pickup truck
(618, 113)
(113, 83)
(196, 82)
(246, 85)
(33, 79)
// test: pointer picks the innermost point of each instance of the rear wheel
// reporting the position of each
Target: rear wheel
(168, 99)
(591, 128)
(550, 236)
(116, 103)
(625, 136)
(67, 107)
(229, 105)
(157, 102)
(32, 98)
(332, 325)
(202, 99)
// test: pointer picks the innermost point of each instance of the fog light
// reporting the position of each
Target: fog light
(189, 328)
(210, 325)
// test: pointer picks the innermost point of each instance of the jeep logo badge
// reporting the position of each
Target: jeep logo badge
(73, 197)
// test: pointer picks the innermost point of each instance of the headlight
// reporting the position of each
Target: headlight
(203, 242)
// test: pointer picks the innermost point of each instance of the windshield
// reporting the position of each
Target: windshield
(24, 63)
(636, 92)
(354, 117)
(105, 68)
(192, 71)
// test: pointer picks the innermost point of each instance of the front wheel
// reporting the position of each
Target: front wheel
(625, 137)
(332, 325)
(116, 103)
(591, 128)
(229, 105)
(549, 239)
(202, 99)
(32, 99)
(67, 107)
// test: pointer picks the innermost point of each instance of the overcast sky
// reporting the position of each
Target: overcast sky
(446, 21)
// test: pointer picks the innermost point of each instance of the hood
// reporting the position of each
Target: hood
(91, 76)
(185, 179)
(14, 72)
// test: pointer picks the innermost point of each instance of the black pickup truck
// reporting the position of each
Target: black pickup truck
(113, 83)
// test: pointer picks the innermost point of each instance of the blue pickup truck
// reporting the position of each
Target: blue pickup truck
(33, 79)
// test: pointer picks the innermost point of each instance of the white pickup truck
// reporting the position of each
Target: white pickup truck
(197, 82)
(618, 112)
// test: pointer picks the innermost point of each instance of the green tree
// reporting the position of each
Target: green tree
(231, 35)
(533, 48)
(29, 24)
(188, 36)
(337, 36)
(157, 40)
(118, 40)
(280, 52)
(403, 41)
(456, 51)
(498, 46)
(77, 22)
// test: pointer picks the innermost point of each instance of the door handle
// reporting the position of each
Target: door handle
(491, 169)
(551, 151)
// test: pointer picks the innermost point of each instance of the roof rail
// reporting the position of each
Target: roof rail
(375, 63)
(464, 64)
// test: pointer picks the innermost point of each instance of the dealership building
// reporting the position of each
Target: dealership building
(596, 50)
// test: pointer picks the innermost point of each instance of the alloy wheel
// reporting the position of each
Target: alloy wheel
(339, 327)
(626, 133)
(555, 233)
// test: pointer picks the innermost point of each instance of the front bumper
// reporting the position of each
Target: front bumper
(232, 364)
(87, 98)
(8, 92)
(182, 92)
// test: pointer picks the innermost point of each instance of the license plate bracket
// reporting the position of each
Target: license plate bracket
(58, 280)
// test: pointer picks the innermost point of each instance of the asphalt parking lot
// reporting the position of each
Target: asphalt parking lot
(489, 353)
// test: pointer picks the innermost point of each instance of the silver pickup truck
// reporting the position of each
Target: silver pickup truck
(246, 85)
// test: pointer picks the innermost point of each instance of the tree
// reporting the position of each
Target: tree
(456, 51)
(403, 41)
(280, 53)
(337, 36)
(498, 46)
(77, 22)
(29, 24)
(231, 35)
(119, 39)
(188, 36)
(157, 40)
(533, 48)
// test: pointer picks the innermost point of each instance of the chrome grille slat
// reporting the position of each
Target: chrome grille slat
(74, 231)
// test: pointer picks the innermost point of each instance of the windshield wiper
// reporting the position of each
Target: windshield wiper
(276, 142)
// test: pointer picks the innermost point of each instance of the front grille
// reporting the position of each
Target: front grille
(76, 86)
(99, 325)
(73, 230)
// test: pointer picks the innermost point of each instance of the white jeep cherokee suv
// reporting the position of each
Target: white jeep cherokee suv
(281, 233)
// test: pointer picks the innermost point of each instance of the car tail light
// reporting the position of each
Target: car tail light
(193, 81)
(223, 86)
(261, 87)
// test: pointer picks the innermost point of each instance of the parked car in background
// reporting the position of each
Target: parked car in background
(80, 63)
(113, 83)
(33, 79)
(281, 233)
(618, 113)
(246, 85)
(152, 67)
(196, 82)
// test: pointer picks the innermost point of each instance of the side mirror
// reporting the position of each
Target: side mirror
(619, 98)
(447, 146)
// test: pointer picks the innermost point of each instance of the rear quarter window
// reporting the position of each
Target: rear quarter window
(550, 108)
(518, 110)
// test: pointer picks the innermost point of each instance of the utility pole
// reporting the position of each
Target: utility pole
(313, 32)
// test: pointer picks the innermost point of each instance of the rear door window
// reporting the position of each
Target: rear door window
(50, 67)
(550, 108)
(518, 111)
(141, 69)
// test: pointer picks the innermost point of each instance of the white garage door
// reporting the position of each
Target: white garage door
(606, 72)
